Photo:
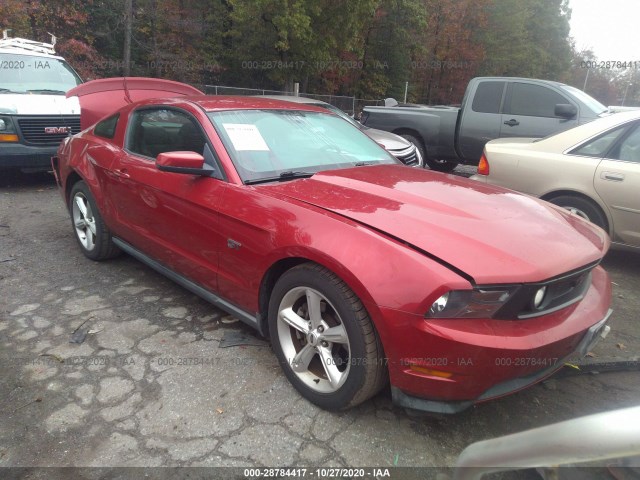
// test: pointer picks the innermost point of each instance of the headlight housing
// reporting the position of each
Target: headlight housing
(477, 303)
(7, 129)
(6, 125)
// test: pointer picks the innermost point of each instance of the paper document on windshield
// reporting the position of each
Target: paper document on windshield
(245, 137)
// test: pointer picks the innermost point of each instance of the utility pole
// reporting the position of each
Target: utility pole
(584, 87)
(626, 90)
(128, 25)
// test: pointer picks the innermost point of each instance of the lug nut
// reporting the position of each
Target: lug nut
(324, 344)
(321, 329)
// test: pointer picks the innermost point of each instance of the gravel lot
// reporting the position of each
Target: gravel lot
(152, 385)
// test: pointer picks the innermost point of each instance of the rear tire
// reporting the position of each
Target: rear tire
(582, 207)
(92, 234)
(437, 165)
(330, 352)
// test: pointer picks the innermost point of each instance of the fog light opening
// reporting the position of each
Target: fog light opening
(538, 298)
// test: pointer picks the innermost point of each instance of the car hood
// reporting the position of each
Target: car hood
(493, 235)
(390, 141)
(38, 104)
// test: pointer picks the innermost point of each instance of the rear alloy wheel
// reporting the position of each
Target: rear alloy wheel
(92, 234)
(437, 165)
(583, 208)
(324, 339)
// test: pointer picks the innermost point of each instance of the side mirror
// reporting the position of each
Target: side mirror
(191, 163)
(565, 110)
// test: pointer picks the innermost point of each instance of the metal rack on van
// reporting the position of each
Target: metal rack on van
(23, 44)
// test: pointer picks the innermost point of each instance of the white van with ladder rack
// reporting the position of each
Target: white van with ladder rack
(35, 115)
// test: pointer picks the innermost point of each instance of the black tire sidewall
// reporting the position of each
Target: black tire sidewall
(591, 210)
(300, 277)
(428, 162)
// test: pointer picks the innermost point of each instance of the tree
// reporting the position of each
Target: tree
(527, 38)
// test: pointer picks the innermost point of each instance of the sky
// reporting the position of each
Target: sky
(608, 27)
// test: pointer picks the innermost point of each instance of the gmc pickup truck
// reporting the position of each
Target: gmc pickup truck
(492, 107)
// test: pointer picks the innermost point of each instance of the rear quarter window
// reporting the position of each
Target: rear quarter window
(488, 97)
(107, 128)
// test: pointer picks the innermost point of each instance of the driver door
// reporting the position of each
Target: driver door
(171, 217)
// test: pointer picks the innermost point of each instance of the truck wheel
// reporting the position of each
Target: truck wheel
(583, 208)
(324, 339)
(92, 234)
(438, 165)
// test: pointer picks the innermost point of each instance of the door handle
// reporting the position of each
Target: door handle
(613, 176)
(512, 123)
(121, 172)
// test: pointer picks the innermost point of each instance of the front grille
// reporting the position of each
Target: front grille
(49, 130)
(407, 156)
(561, 292)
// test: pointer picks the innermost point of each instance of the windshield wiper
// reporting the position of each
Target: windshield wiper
(7, 90)
(46, 90)
(288, 175)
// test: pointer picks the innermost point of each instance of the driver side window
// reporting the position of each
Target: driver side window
(153, 131)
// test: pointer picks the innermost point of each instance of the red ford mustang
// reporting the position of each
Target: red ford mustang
(360, 270)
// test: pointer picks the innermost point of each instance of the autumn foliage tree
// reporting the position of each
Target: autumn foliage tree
(367, 48)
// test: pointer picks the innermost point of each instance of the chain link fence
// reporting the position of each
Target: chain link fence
(352, 105)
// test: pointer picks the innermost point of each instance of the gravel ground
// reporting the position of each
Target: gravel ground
(152, 386)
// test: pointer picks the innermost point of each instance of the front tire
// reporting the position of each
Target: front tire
(583, 208)
(324, 339)
(92, 234)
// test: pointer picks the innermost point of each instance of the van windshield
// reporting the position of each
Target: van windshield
(35, 75)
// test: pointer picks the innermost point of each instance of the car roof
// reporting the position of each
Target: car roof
(511, 79)
(220, 102)
(294, 99)
(595, 127)
(569, 138)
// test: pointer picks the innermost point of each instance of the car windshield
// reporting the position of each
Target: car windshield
(273, 144)
(588, 100)
(340, 113)
(36, 75)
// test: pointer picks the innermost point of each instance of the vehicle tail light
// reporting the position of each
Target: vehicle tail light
(483, 166)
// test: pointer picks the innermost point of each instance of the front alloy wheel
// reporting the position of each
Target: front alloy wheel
(324, 339)
(312, 334)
